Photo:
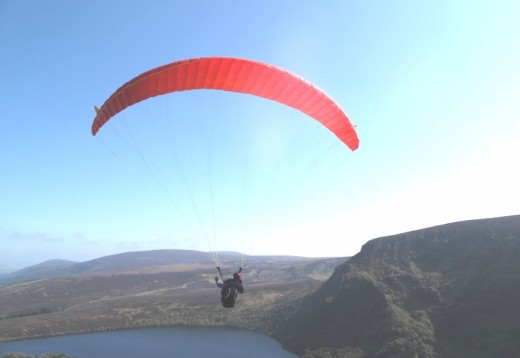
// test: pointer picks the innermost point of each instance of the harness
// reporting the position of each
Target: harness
(229, 293)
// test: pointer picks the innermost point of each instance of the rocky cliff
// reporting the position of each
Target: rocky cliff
(446, 291)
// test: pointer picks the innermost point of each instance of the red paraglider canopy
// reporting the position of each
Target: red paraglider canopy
(235, 75)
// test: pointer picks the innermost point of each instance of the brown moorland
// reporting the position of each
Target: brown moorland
(181, 294)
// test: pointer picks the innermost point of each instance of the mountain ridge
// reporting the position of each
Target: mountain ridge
(137, 260)
(450, 290)
(446, 291)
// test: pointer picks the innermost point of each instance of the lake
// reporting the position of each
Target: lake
(155, 342)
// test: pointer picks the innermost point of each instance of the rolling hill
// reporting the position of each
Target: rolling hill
(134, 261)
(154, 288)
(446, 291)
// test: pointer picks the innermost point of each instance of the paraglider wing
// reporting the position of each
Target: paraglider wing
(235, 75)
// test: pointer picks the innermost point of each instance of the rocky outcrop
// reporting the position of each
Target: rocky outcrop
(446, 291)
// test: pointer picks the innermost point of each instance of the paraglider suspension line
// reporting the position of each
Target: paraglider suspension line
(220, 273)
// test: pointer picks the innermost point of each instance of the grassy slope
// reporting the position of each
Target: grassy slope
(182, 294)
(447, 291)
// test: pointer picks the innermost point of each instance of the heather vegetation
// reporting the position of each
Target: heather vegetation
(153, 296)
(447, 291)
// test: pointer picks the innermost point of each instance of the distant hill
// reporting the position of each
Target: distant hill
(447, 291)
(48, 268)
(134, 261)
(156, 288)
(140, 259)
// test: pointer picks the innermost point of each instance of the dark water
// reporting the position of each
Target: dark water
(155, 342)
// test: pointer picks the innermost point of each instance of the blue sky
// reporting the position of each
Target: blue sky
(433, 87)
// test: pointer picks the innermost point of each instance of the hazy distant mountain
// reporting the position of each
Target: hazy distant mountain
(132, 261)
(117, 262)
(45, 269)
(446, 291)
(139, 259)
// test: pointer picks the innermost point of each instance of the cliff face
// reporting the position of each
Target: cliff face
(446, 291)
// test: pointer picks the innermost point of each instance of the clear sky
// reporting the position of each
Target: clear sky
(433, 87)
